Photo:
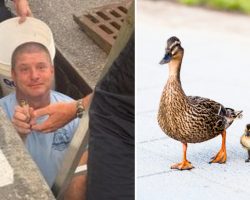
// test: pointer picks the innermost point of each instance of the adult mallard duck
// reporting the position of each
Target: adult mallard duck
(245, 141)
(190, 119)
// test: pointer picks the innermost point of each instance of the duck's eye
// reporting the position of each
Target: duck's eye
(174, 51)
(174, 44)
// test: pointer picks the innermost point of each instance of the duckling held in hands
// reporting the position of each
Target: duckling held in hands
(245, 141)
(190, 119)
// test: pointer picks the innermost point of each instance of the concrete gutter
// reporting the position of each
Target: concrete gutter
(23, 179)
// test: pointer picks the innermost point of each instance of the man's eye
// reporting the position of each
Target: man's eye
(42, 67)
(24, 69)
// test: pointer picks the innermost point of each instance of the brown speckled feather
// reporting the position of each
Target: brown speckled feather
(189, 119)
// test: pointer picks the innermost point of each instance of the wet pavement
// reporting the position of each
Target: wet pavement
(216, 65)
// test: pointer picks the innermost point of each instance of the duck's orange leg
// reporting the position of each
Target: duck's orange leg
(221, 156)
(185, 164)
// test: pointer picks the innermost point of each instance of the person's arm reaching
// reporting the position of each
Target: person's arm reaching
(22, 9)
(59, 115)
(78, 185)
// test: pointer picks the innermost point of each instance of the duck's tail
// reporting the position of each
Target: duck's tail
(231, 115)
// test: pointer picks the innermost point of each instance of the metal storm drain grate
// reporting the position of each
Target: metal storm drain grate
(102, 24)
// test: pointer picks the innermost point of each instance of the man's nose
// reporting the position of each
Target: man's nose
(34, 74)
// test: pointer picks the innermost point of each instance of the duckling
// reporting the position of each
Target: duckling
(190, 119)
(245, 141)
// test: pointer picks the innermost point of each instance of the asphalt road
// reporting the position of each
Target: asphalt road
(216, 65)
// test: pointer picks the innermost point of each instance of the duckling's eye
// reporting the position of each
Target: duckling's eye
(248, 127)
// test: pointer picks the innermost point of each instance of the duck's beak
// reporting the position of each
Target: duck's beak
(166, 59)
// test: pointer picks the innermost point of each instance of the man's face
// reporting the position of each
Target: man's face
(33, 74)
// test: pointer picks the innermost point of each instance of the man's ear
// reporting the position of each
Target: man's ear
(52, 69)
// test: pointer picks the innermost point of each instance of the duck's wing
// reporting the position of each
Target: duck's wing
(214, 111)
(207, 104)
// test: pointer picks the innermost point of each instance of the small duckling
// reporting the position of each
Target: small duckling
(245, 141)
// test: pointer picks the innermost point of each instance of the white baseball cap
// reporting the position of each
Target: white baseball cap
(13, 34)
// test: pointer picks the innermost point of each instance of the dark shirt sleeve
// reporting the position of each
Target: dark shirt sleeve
(111, 143)
(4, 11)
(114, 95)
(120, 78)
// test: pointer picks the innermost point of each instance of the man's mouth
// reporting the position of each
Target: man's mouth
(36, 85)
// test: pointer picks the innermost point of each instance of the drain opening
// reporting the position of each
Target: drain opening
(115, 14)
(106, 29)
(102, 15)
(123, 9)
(116, 25)
(92, 18)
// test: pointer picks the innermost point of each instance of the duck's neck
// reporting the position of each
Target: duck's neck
(174, 82)
(175, 68)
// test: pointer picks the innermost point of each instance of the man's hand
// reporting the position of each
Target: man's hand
(21, 120)
(22, 9)
(59, 115)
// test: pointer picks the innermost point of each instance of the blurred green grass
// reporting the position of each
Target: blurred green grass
(242, 6)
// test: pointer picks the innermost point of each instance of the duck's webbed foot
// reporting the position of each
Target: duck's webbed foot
(221, 156)
(184, 165)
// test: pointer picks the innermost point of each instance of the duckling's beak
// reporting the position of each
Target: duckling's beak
(247, 133)
(166, 58)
